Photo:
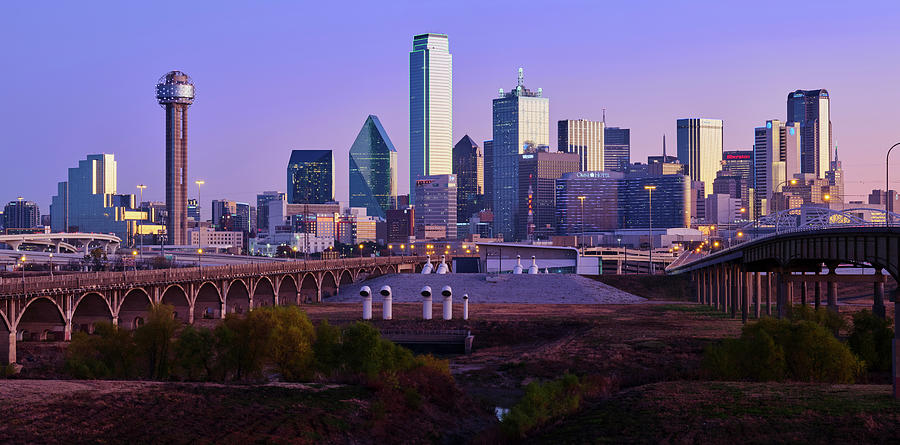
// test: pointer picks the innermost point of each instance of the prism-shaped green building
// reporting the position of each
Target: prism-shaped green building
(373, 169)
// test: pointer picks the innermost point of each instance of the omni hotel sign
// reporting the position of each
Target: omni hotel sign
(592, 175)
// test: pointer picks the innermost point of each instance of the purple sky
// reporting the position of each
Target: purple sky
(79, 79)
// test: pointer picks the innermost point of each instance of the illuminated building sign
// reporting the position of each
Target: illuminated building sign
(738, 157)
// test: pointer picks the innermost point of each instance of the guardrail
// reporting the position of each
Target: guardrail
(106, 280)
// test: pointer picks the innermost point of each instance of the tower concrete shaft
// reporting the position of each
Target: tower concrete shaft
(175, 93)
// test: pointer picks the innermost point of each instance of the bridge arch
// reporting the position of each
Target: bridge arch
(346, 278)
(134, 308)
(309, 288)
(208, 301)
(90, 308)
(41, 319)
(287, 291)
(328, 285)
(263, 293)
(175, 295)
(237, 299)
(7, 345)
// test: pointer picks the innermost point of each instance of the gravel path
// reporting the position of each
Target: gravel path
(520, 289)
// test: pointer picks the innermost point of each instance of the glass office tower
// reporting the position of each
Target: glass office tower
(700, 148)
(617, 149)
(585, 138)
(310, 177)
(521, 120)
(430, 108)
(468, 166)
(373, 169)
(812, 110)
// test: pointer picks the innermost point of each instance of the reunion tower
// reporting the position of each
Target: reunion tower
(175, 93)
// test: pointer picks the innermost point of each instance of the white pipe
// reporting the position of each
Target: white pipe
(366, 293)
(447, 292)
(386, 307)
(465, 306)
(426, 303)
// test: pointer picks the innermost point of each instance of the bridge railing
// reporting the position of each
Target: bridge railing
(88, 280)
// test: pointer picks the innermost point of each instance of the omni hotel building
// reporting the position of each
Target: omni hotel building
(615, 200)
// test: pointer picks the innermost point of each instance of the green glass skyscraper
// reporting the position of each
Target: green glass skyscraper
(373, 169)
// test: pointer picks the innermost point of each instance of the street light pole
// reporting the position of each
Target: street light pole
(581, 198)
(887, 185)
(650, 189)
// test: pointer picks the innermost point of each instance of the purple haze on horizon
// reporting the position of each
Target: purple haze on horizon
(79, 79)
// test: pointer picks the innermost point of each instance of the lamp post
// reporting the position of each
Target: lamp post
(141, 188)
(134, 259)
(199, 182)
(51, 265)
(199, 252)
(887, 185)
(22, 259)
(625, 252)
(650, 189)
(581, 198)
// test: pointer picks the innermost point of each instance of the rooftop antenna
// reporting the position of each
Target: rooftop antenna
(664, 147)
(604, 117)
(521, 77)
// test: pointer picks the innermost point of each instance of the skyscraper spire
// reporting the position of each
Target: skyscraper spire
(664, 147)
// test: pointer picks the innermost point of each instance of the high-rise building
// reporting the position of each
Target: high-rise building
(468, 166)
(882, 199)
(193, 209)
(262, 208)
(700, 147)
(436, 207)
(430, 108)
(373, 169)
(538, 172)
(812, 110)
(614, 200)
(521, 120)
(586, 138)
(88, 202)
(401, 225)
(722, 209)
(175, 93)
(776, 159)
(616, 148)
(21, 215)
(731, 184)
(835, 177)
(310, 177)
(488, 200)
(739, 162)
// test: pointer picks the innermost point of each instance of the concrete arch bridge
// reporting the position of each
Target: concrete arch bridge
(44, 308)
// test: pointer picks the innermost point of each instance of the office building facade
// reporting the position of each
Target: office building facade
(812, 110)
(585, 138)
(401, 225)
(488, 199)
(521, 120)
(835, 177)
(310, 177)
(430, 108)
(21, 215)
(776, 159)
(373, 169)
(435, 207)
(700, 148)
(262, 208)
(538, 172)
(616, 148)
(600, 210)
(468, 166)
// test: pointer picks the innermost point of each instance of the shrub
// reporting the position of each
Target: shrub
(291, 343)
(327, 348)
(245, 343)
(870, 339)
(542, 403)
(827, 318)
(154, 340)
(109, 353)
(778, 350)
(195, 352)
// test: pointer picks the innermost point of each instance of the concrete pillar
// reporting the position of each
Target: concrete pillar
(222, 309)
(832, 290)
(803, 292)
(717, 286)
(817, 294)
(878, 307)
(67, 332)
(769, 293)
(10, 344)
(191, 314)
(895, 350)
(757, 292)
(726, 287)
(735, 290)
(781, 298)
(745, 292)
(698, 284)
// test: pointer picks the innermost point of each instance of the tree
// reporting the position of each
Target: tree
(154, 339)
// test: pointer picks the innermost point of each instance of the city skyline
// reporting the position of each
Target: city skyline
(220, 132)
